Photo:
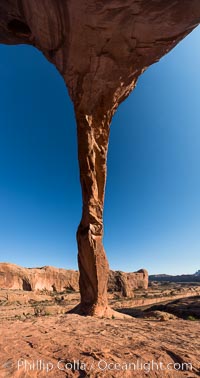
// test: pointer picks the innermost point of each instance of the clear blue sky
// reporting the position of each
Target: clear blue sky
(152, 206)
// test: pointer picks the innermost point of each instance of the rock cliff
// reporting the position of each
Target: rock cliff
(179, 278)
(54, 279)
(127, 282)
(100, 48)
(49, 278)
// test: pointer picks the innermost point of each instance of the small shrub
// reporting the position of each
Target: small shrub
(191, 318)
(39, 311)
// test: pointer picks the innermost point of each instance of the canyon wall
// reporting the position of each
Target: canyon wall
(54, 279)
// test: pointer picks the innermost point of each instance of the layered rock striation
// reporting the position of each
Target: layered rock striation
(100, 48)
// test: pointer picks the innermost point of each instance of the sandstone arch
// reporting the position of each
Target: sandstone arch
(100, 48)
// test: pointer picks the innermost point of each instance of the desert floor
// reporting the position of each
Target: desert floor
(39, 339)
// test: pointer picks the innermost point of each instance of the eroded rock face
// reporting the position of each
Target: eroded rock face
(100, 48)
(126, 282)
(54, 279)
(30, 279)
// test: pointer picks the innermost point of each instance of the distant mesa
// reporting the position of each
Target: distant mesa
(55, 279)
(179, 278)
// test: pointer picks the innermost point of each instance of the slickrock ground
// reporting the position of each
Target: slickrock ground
(36, 335)
(98, 343)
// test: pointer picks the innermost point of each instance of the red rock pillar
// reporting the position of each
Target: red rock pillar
(93, 135)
